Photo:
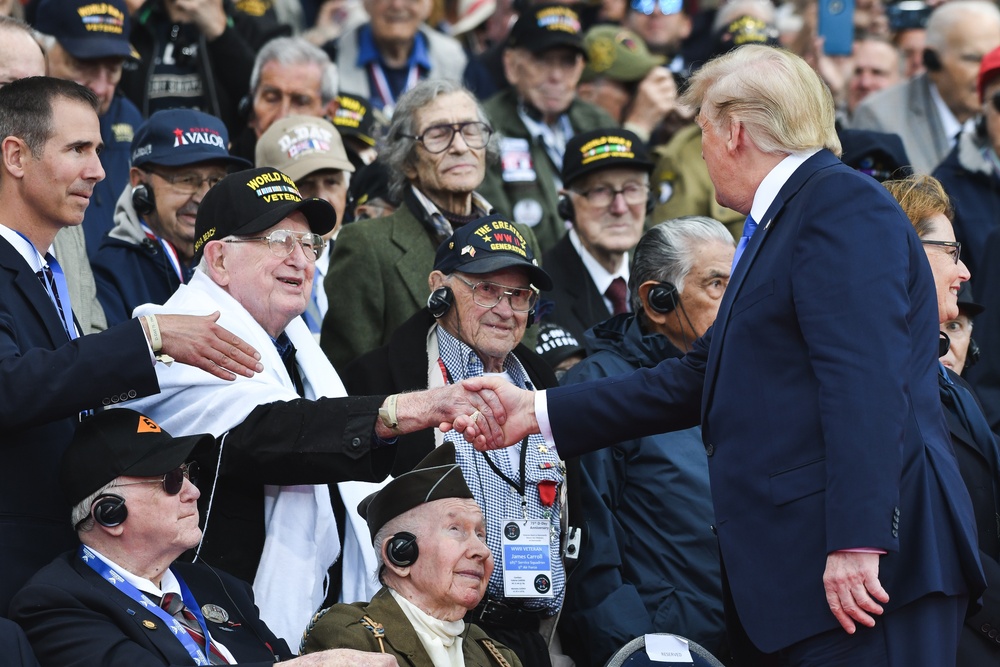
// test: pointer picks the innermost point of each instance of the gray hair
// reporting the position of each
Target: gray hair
(946, 16)
(665, 253)
(398, 149)
(408, 521)
(81, 518)
(297, 51)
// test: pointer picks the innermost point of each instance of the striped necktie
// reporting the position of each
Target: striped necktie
(174, 605)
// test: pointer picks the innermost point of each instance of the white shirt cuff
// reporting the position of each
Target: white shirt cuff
(542, 417)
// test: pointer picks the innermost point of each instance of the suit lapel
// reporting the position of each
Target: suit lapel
(406, 643)
(34, 294)
(410, 237)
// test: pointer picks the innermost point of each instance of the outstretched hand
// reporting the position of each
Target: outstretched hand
(197, 340)
(852, 588)
(484, 430)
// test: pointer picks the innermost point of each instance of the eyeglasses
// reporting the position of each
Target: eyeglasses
(438, 138)
(488, 295)
(281, 243)
(173, 481)
(953, 248)
(602, 195)
(667, 7)
(189, 182)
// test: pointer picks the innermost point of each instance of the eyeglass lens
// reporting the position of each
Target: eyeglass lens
(282, 243)
(488, 295)
(173, 481)
(439, 138)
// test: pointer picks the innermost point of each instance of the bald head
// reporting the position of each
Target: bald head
(20, 54)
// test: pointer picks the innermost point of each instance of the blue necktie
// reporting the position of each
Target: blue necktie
(311, 315)
(749, 227)
(54, 281)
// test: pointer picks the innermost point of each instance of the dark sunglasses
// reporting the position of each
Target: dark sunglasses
(173, 481)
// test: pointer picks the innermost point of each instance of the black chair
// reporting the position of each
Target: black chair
(633, 654)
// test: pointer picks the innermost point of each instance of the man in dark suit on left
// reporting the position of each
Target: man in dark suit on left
(119, 598)
(49, 142)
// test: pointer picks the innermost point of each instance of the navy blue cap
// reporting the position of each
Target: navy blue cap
(87, 29)
(486, 245)
(604, 148)
(178, 137)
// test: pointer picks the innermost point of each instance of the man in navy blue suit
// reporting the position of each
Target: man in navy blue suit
(49, 143)
(845, 534)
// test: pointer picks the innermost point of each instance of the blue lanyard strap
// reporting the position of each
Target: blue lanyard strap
(106, 572)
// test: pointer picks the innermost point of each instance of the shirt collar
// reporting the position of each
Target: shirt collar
(368, 53)
(768, 189)
(949, 123)
(602, 279)
(168, 582)
(462, 361)
(24, 248)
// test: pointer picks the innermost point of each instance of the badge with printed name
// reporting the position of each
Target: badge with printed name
(527, 566)
(515, 161)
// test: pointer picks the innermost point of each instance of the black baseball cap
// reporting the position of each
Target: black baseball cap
(436, 477)
(355, 117)
(368, 183)
(120, 442)
(966, 305)
(547, 26)
(603, 149)
(247, 202)
(87, 29)
(486, 245)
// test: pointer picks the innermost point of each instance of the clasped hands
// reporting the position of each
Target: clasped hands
(500, 414)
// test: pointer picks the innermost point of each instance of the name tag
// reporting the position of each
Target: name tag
(527, 565)
(515, 161)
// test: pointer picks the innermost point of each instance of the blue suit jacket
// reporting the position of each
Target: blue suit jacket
(817, 393)
(73, 617)
(45, 381)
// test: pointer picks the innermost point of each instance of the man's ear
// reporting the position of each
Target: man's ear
(436, 279)
(215, 258)
(401, 572)
(331, 109)
(14, 153)
(135, 176)
(510, 69)
(654, 317)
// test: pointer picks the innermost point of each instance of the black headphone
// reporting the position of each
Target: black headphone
(109, 510)
(931, 60)
(662, 297)
(565, 210)
(402, 550)
(142, 199)
(440, 300)
(972, 357)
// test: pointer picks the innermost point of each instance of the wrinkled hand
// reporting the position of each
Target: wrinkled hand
(344, 657)
(208, 15)
(481, 413)
(197, 340)
(655, 98)
(418, 410)
(518, 406)
(852, 588)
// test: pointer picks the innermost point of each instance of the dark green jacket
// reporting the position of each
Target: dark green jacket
(514, 198)
(345, 626)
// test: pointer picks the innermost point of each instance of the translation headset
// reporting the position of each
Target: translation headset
(109, 510)
(662, 297)
(142, 199)
(440, 300)
(565, 210)
(931, 60)
(402, 550)
(972, 357)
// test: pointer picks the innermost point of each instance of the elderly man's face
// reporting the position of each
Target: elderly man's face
(968, 40)
(876, 66)
(274, 290)
(177, 198)
(161, 524)
(607, 232)
(397, 20)
(101, 75)
(449, 177)
(704, 287)
(20, 57)
(491, 332)
(286, 90)
(547, 80)
(454, 565)
(329, 185)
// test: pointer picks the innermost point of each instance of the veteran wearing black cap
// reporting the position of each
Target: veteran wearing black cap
(605, 199)
(484, 289)
(291, 428)
(543, 60)
(120, 599)
(434, 564)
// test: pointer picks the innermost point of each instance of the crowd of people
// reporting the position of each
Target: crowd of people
(499, 332)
